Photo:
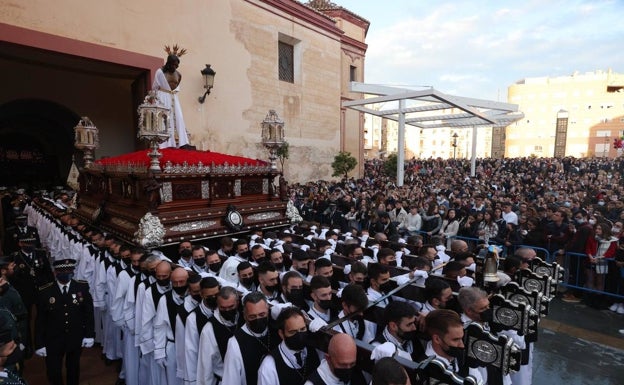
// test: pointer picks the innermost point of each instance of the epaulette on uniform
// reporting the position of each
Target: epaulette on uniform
(47, 285)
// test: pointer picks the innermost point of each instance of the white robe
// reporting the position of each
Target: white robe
(169, 98)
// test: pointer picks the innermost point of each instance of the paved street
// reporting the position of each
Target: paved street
(577, 345)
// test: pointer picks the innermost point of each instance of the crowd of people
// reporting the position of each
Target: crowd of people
(242, 311)
(561, 206)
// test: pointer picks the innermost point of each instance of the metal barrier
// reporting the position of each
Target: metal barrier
(575, 276)
(474, 242)
(541, 252)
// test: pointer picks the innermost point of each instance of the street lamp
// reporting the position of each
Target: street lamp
(454, 144)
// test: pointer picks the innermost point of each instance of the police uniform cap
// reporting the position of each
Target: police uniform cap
(27, 239)
(64, 265)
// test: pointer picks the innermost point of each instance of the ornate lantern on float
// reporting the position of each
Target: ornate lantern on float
(272, 135)
(153, 127)
(86, 139)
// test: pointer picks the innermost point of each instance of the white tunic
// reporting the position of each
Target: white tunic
(209, 361)
(169, 98)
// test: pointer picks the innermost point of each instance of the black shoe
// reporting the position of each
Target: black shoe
(120, 381)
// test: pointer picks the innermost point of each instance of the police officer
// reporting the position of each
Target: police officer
(19, 231)
(64, 323)
(31, 271)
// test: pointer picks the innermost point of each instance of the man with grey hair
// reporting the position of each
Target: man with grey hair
(475, 305)
(476, 308)
(525, 253)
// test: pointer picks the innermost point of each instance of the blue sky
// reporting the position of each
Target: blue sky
(478, 48)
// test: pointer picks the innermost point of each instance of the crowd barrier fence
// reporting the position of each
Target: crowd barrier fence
(576, 271)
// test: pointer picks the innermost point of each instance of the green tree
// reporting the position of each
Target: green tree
(390, 165)
(343, 163)
(283, 153)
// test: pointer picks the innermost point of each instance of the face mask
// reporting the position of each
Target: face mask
(163, 282)
(64, 277)
(197, 297)
(180, 290)
(592, 222)
(215, 267)
(344, 375)
(392, 263)
(199, 261)
(385, 287)
(297, 341)
(325, 304)
(28, 249)
(406, 336)
(441, 212)
(615, 230)
(247, 281)
(229, 315)
(303, 271)
(186, 254)
(580, 221)
(296, 296)
(210, 302)
(279, 266)
(600, 203)
(258, 325)
(260, 260)
(486, 315)
(271, 288)
(454, 351)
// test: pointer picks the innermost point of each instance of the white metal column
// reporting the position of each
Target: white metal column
(401, 144)
(473, 156)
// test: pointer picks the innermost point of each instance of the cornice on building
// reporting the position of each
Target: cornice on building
(306, 14)
(334, 10)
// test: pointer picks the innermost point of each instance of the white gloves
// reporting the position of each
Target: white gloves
(465, 281)
(41, 352)
(87, 342)
(316, 324)
(277, 308)
(387, 349)
(162, 362)
(420, 273)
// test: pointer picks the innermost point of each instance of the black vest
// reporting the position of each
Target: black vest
(183, 313)
(156, 295)
(222, 334)
(200, 320)
(253, 351)
(361, 329)
(288, 375)
(172, 310)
